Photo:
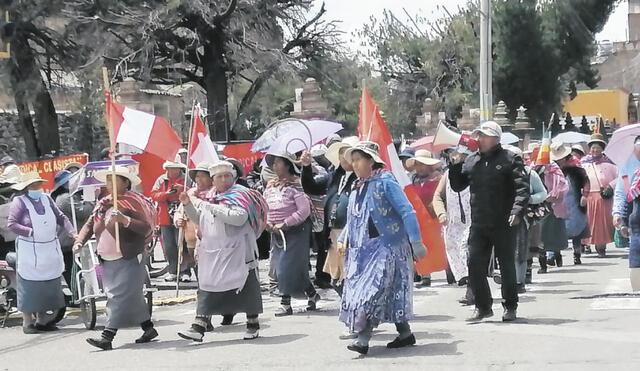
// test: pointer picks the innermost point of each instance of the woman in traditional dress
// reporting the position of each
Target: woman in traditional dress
(602, 175)
(381, 231)
(229, 219)
(290, 227)
(123, 261)
(35, 218)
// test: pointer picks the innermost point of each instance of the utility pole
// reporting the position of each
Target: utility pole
(486, 63)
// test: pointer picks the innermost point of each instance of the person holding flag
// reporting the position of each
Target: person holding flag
(499, 189)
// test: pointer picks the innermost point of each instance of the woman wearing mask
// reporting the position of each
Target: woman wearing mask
(380, 241)
(35, 218)
(123, 262)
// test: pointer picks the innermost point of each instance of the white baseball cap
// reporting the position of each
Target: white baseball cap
(488, 128)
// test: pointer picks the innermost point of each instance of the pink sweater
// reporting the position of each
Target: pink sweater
(287, 205)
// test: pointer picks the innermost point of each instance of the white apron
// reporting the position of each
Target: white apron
(221, 256)
(39, 256)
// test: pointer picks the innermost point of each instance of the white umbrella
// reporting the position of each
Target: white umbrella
(570, 137)
(303, 135)
(509, 138)
(620, 146)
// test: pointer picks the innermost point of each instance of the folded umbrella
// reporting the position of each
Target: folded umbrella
(620, 146)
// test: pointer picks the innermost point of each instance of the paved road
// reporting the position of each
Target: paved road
(573, 318)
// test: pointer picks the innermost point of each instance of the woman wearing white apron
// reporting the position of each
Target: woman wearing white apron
(35, 218)
(229, 221)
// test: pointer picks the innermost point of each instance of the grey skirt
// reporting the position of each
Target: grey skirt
(123, 281)
(291, 267)
(39, 296)
(248, 300)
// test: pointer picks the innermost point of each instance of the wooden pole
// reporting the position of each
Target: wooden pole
(112, 149)
(186, 179)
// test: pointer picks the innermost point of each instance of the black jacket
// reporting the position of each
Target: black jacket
(578, 179)
(335, 210)
(498, 183)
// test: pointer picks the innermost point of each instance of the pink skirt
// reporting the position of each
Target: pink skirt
(600, 220)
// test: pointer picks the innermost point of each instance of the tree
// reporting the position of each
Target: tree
(215, 43)
(41, 47)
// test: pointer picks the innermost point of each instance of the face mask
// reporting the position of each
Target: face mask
(35, 194)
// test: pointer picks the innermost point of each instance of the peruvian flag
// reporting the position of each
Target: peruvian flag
(152, 134)
(201, 148)
(371, 127)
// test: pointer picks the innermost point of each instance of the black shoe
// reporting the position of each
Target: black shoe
(30, 330)
(577, 260)
(424, 282)
(47, 328)
(451, 279)
(209, 327)
(559, 260)
(551, 262)
(542, 259)
(521, 289)
(463, 281)
(401, 343)
(509, 315)
(416, 278)
(479, 315)
(100, 343)
(311, 304)
(322, 284)
(147, 336)
(227, 320)
(362, 349)
(192, 334)
(587, 249)
(528, 278)
(284, 311)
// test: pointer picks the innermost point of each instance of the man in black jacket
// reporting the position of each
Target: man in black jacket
(499, 193)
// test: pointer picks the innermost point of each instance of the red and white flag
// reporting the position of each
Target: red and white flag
(201, 148)
(152, 134)
(371, 127)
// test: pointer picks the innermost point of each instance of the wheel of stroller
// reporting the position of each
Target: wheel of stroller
(88, 313)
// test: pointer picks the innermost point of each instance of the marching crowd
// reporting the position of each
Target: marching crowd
(498, 208)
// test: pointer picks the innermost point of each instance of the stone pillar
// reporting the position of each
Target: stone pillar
(501, 116)
(427, 122)
(523, 128)
(310, 104)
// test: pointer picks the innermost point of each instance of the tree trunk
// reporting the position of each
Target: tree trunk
(24, 116)
(47, 119)
(215, 81)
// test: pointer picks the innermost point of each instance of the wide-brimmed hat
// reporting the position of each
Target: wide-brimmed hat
(488, 128)
(407, 153)
(73, 164)
(559, 151)
(203, 166)
(27, 180)
(62, 177)
(370, 148)
(222, 167)
(237, 166)
(424, 157)
(333, 152)
(173, 165)
(270, 157)
(579, 148)
(597, 138)
(119, 170)
(318, 150)
(531, 147)
(513, 149)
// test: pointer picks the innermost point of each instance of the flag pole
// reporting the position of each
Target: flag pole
(186, 179)
(112, 149)
(366, 109)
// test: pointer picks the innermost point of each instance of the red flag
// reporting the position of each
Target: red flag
(371, 127)
(201, 148)
(152, 134)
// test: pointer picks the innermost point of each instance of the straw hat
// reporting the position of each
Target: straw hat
(370, 148)
(424, 157)
(333, 152)
(597, 138)
(270, 157)
(559, 151)
(119, 170)
(173, 165)
(203, 166)
(222, 167)
(27, 180)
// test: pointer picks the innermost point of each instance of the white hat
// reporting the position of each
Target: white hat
(222, 167)
(333, 152)
(424, 157)
(73, 164)
(173, 165)
(370, 148)
(27, 180)
(559, 151)
(270, 157)
(203, 166)
(489, 128)
(119, 170)
(513, 149)
(318, 150)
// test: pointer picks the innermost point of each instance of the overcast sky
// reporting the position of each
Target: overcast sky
(353, 13)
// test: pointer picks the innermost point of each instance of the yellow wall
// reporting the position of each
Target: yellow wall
(609, 104)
